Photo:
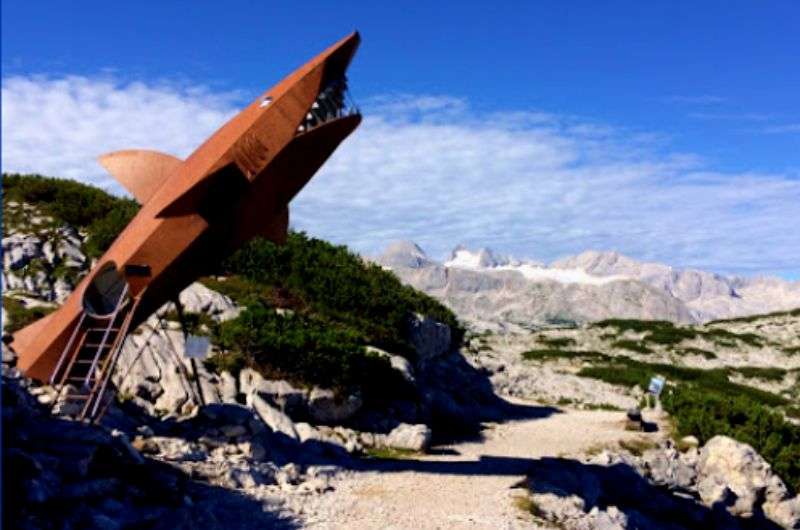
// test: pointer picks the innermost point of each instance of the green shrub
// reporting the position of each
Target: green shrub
(624, 371)
(338, 286)
(723, 336)
(104, 230)
(635, 325)
(18, 316)
(552, 353)
(632, 345)
(86, 207)
(307, 351)
(556, 342)
(758, 372)
(657, 331)
(753, 318)
(697, 351)
(705, 413)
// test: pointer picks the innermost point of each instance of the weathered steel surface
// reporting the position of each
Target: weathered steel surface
(235, 186)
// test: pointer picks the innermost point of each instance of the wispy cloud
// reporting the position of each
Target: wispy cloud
(791, 128)
(703, 99)
(435, 170)
(732, 116)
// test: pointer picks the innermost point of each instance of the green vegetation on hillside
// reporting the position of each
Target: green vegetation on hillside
(668, 334)
(336, 285)
(337, 303)
(85, 207)
(754, 318)
(625, 371)
(554, 353)
(705, 413)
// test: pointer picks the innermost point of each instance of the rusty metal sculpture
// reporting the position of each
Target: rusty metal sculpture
(237, 185)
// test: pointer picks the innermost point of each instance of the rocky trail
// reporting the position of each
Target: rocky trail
(470, 484)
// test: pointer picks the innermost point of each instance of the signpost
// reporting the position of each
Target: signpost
(655, 388)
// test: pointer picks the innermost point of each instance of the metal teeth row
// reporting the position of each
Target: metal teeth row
(329, 105)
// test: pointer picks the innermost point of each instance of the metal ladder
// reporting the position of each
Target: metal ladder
(89, 358)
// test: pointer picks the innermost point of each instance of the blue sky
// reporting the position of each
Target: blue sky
(678, 122)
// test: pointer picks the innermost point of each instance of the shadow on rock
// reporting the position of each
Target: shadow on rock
(64, 474)
(554, 480)
(460, 398)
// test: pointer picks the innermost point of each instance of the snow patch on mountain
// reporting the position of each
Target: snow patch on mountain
(483, 287)
(484, 260)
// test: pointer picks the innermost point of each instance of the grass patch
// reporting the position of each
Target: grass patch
(668, 334)
(725, 337)
(556, 342)
(391, 453)
(193, 322)
(632, 345)
(792, 412)
(637, 446)
(753, 318)
(550, 354)
(696, 351)
(628, 372)
(601, 406)
(758, 372)
(18, 316)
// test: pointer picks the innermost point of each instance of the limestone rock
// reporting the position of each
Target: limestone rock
(227, 388)
(274, 418)
(734, 474)
(429, 337)
(410, 437)
(325, 407)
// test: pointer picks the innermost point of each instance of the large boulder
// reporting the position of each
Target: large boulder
(282, 395)
(410, 437)
(19, 250)
(732, 474)
(429, 337)
(324, 406)
(197, 298)
(274, 418)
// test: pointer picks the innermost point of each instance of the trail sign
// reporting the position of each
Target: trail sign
(656, 385)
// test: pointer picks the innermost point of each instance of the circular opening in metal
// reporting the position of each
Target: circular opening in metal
(106, 292)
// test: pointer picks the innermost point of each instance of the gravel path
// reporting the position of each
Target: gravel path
(464, 485)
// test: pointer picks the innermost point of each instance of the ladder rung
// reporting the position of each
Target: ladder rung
(84, 361)
(77, 378)
(96, 345)
(77, 396)
(113, 330)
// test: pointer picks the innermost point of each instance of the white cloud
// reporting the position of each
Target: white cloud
(435, 170)
(60, 126)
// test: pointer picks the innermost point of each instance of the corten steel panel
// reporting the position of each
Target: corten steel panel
(235, 186)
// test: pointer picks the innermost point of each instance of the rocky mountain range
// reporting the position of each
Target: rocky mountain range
(498, 291)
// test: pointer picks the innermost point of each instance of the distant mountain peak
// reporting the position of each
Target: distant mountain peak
(404, 254)
(594, 284)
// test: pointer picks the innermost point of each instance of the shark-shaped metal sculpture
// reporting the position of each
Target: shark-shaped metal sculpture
(236, 186)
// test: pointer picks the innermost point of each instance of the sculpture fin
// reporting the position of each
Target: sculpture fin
(140, 171)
